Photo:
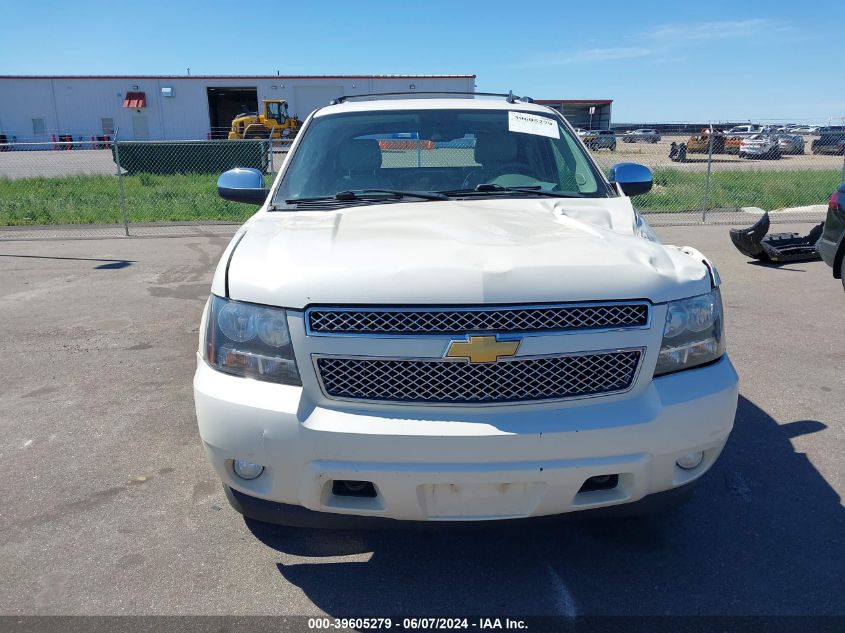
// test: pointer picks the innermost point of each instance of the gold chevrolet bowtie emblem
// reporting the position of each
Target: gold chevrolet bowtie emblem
(482, 349)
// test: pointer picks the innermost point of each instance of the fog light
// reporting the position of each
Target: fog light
(247, 470)
(690, 460)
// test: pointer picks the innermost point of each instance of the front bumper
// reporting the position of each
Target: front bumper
(455, 465)
(836, 150)
(298, 516)
(755, 151)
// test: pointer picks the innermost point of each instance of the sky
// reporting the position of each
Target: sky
(659, 61)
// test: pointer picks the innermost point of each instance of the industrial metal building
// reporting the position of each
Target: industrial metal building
(577, 111)
(157, 107)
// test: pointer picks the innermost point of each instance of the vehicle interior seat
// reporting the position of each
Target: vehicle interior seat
(497, 154)
(360, 165)
(501, 154)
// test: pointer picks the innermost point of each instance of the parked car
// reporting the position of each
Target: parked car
(831, 245)
(700, 143)
(829, 143)
(804, 129)
(743, 130)
(496, 338)
(733, 143)
(599, 139)
(791, 143)
(646, 135)
(760, 146)
(827, 129)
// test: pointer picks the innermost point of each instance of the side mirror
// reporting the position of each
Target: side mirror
(632, 178)
(242, 184)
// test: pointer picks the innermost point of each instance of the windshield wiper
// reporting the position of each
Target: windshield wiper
(361, 194)
(423, 195)
(490, 187)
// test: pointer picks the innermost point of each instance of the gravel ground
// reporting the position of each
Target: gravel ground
(110, 507)
(54, 164)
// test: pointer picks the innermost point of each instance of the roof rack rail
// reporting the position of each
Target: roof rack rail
(509, 96)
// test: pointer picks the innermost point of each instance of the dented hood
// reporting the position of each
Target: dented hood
(457, 252)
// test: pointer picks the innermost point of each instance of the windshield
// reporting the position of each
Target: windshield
(446, 151)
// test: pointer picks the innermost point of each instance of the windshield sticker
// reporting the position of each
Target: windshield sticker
(532, 124)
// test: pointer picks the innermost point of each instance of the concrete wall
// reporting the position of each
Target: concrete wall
(77, 105)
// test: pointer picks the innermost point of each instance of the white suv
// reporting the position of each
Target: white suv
(443, 311)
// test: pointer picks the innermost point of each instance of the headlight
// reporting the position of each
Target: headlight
(693, 334)
(249, 340)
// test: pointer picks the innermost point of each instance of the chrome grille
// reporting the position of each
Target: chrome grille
(461, 382)
(553, 318)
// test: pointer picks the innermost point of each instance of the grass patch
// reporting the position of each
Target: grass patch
(676, 190)
(96, 200)
(186, 197)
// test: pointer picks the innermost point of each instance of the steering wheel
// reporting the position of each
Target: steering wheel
(493, 173)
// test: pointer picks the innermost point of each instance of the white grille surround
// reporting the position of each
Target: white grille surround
(444, 381)
(525, 319)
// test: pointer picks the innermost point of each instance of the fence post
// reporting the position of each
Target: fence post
(120, 184)
(843, 168)
(270, 152)
(707, 177)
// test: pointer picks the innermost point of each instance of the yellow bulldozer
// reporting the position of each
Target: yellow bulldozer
(274, 122)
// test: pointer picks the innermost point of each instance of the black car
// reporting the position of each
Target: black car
(829, 143)
(831, 245)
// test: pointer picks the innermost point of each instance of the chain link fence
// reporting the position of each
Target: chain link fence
(718, 176)
(124, 187)
(150, 188)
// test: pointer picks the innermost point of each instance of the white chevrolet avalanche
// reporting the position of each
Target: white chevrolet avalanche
(443, 311)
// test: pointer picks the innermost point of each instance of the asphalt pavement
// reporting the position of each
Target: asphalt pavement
(109, 506)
